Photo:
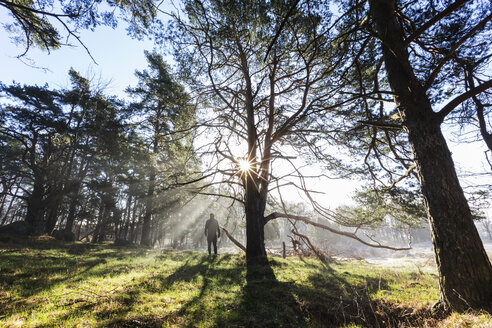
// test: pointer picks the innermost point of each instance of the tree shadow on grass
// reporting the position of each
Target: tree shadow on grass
(222, 292)
(34, 266)
(214, 276)
(29, 271)
(259, 300)
(265, 302)
(338, 299)
(324, 298)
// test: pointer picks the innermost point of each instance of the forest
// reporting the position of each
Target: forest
(259, 113)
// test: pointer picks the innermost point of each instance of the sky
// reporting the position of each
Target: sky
(117, 57)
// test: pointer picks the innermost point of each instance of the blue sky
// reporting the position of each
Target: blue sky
(117, 56)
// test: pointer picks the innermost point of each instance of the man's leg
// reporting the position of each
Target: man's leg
(209, 242)
(215, 245)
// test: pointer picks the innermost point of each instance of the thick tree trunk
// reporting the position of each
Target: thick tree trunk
(35, 205)
(465, 272)
(255, 244)
(53, 207)
(146, 238)
(74, 194)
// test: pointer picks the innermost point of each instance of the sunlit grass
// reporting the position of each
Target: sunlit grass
(46, 284)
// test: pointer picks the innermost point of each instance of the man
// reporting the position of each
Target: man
(212, 231)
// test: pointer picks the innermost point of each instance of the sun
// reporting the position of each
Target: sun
(244, 165)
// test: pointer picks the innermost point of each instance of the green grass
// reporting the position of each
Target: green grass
(44, 283)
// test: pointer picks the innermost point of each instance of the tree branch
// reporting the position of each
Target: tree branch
(304, 219)
(237, 243)
(435, 19)
(461, 98)
(382, 125)
(274, 40)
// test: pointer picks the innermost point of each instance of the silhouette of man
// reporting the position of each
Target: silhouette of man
(212, 231)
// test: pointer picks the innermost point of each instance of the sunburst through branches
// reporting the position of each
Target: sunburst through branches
(244, 165)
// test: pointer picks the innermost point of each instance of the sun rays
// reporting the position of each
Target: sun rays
(246, 170)
(244, 165)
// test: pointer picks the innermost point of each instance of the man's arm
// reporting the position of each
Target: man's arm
(218, 230)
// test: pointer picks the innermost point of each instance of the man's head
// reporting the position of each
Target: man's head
(211, 216)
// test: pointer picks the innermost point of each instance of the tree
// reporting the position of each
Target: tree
(465, 278)
(418, 50)
(373, 209)
(261, 101)
(164, 111)
(36, 124)
(34, 22)
(54, 141)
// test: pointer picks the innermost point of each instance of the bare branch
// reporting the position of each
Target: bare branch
(461, 98)
(304, 219)
(237, 243)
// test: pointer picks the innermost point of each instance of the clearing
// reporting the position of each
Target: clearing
(44, 283)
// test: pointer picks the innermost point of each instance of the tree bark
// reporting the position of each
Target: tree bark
(134, 223)
(255, 244)
(99, 230)
(465, 272)
(11, 203)
(124, 233)
(54, 202)
(234, 240)
(74, 194)
(146, 240)
(35, 204)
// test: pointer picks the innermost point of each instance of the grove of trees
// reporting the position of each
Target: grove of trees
(361, 89)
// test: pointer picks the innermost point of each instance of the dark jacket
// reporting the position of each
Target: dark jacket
(212, 229)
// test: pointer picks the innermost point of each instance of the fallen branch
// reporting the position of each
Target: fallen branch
(86, 236)
(352, 235)
(238, 244)
(319, 254)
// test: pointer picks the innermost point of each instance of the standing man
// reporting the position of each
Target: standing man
(212, 231)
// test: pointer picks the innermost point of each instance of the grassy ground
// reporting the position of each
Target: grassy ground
(49, 284)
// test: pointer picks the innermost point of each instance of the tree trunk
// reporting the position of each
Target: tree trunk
(146, 240)
(124, 232)
(74, 194)
(5, 191)
(99, 226)
(12, 199)
(54, 203)
(35, 205)
(134, 222)
(255, 243)
(465, 272)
